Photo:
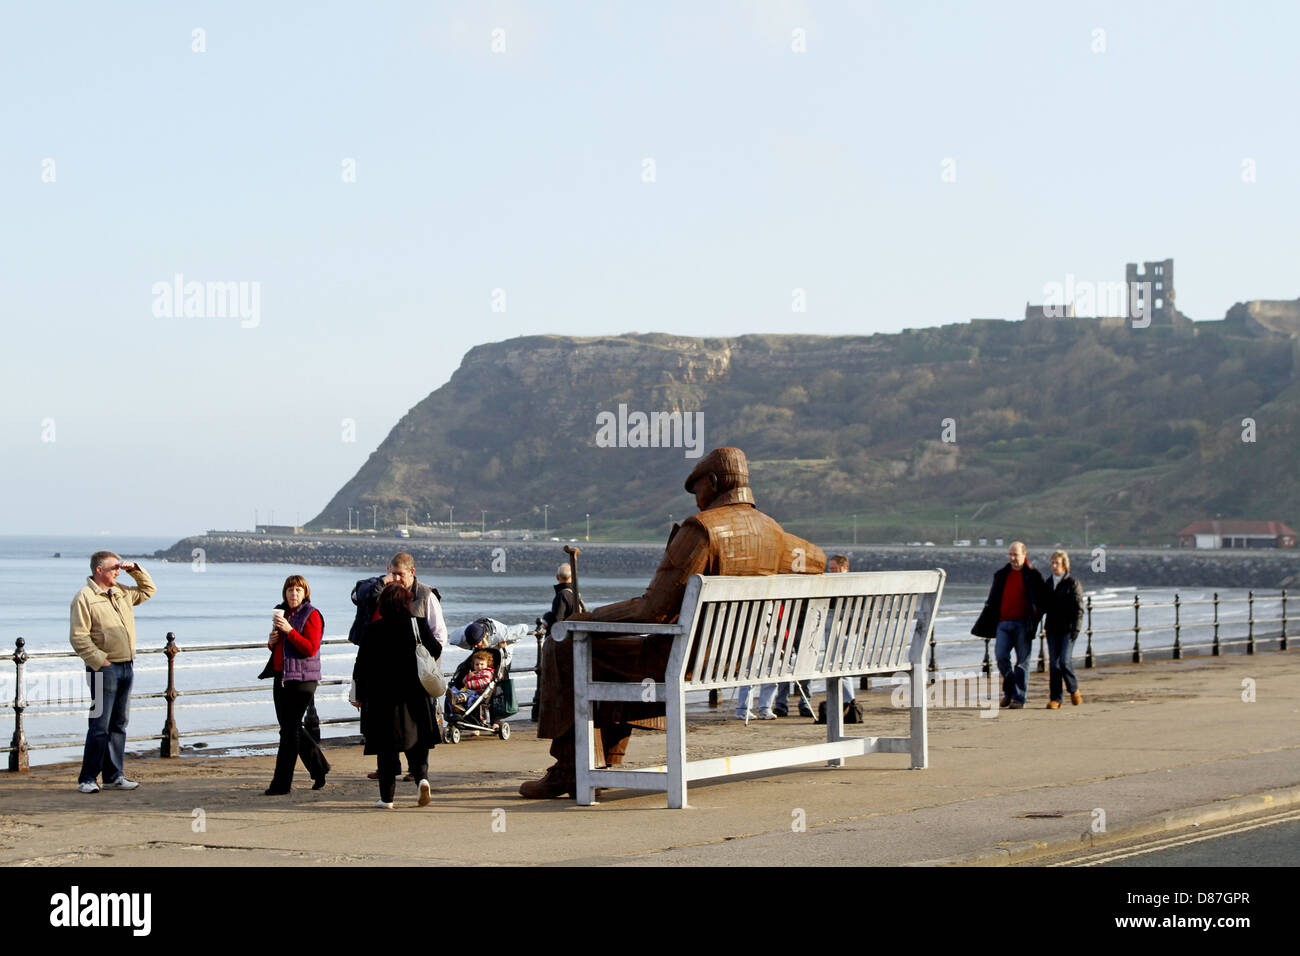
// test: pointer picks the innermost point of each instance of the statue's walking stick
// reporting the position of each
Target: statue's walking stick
(573, 573)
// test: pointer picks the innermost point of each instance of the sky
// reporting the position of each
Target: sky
(392, 184)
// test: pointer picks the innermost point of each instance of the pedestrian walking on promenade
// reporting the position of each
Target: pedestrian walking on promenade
(102, 633)
(1011, 616)
(396, 712)
(295, 659)
(426, 604)
(1064, 607)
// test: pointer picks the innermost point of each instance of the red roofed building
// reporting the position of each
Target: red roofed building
(1236, 534)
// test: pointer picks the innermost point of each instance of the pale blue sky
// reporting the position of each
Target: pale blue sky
(522, 170)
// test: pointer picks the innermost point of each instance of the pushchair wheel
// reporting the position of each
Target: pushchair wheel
(503, 730)
(453, 734)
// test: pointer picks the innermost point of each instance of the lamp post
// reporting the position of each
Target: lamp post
(588, 527)
(546, 526)
(482, 530)
(374, 516)
(349, 517)
(451, 520)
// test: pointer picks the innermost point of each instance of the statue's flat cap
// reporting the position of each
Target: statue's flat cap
(729, 464)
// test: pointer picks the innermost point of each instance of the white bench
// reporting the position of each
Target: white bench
(736, 631)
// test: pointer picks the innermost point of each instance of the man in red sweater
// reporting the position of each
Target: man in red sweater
(1011, 615)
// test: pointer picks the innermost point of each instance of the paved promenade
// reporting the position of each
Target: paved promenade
(1154, 745)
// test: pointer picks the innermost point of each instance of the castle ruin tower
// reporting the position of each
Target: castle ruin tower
(1154, 291)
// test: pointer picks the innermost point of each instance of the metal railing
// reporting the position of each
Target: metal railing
(170, 736)
(1178, 646)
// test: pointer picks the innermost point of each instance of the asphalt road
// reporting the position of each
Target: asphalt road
(1269, 840)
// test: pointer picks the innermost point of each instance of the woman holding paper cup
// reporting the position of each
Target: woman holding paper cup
(296, 629)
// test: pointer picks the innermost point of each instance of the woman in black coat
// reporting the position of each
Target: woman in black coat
(397, 716)
(1063, 599)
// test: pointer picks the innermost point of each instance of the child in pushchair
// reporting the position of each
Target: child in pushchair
(476, 698)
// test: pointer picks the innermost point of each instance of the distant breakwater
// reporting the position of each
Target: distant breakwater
(1124, 567)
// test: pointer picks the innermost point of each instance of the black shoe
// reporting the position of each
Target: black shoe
(318, 782)
(274, 792)
(781, 713)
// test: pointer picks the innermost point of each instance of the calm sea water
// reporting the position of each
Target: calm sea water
(225, 604)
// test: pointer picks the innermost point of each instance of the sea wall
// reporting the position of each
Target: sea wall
(1122, 567)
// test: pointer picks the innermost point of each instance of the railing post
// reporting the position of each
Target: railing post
(988, 670)
(1137, 629)
(171, 738)
(1178, 645)
(934, 661)
(18, 755)
(1087, 659)
(1282, 646)
(1250, 614)
(1215, 651)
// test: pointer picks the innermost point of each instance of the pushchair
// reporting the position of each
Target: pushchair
(489, 709)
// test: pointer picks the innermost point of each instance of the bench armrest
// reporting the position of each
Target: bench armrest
(560, 630)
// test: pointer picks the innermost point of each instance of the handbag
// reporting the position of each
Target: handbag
(430, 674)
(505, 703)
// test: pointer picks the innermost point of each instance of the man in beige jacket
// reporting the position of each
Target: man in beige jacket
(103, 635)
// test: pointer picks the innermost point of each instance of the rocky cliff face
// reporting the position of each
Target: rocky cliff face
(1017, 429)
(1268, 316)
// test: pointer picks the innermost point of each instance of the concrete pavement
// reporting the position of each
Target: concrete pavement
(1154, 746)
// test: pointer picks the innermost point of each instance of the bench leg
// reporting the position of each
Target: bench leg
(676, 757)
(919, 735)
(834, 716)
(584, 737)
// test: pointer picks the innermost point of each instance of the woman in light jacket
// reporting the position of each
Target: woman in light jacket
(396, 713)
(1064, 605)
(295, 657)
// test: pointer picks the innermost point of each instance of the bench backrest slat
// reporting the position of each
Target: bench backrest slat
(750, 630)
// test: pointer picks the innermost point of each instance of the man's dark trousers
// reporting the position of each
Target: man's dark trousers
(110, 709)
(1020, 635)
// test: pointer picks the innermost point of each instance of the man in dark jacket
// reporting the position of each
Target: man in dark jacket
(1011, 615)
(426, 602)
(565, 603)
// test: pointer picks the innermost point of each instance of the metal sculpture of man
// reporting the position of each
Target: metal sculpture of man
(728, 536)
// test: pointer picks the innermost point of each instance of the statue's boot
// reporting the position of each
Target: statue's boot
(559, 780)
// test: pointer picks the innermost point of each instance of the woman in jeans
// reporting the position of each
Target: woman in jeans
(1064, 605)
(295, 657)
(396, 712)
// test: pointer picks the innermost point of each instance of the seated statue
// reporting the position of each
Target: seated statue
(728, 536)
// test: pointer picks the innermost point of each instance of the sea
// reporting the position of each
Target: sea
(215, 605)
